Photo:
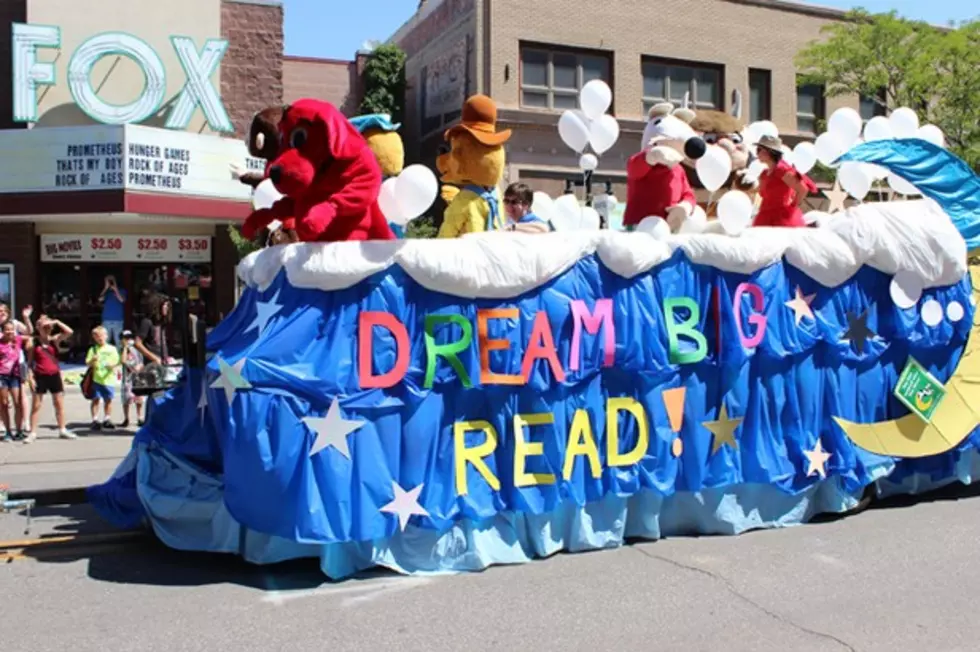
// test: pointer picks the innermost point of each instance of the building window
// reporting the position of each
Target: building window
(810, 107)
(871, 107)
(760, 95)
(552, 79)
(669, 82)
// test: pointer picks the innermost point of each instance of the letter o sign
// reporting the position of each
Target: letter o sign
(80, 78)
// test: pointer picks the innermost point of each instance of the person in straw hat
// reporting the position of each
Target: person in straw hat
(476, 162)
(781, 187)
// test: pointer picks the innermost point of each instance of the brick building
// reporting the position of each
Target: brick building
(532, 58)
(83, 195)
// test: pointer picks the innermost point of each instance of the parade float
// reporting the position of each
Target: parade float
(446, 405)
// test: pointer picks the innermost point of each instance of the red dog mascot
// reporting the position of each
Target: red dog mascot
(329, 176)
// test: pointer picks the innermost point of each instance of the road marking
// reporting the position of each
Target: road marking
(369, 590)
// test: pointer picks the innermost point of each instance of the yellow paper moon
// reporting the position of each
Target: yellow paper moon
(951, 423)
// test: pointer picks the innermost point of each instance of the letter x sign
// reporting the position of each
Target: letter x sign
(198, 66)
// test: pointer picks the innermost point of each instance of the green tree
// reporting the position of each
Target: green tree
(384, 82)
(422, 227)
(242, 245)
(901, 62)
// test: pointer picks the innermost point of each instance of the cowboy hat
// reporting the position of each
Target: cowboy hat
(772, 143)
(480, 121)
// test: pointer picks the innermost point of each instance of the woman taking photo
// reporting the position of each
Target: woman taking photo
(781, 187)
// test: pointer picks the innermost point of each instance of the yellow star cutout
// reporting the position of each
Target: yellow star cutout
(801, 305)
(723, 430)
(837, 197)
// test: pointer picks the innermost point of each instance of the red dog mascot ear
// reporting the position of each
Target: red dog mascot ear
(329, 176)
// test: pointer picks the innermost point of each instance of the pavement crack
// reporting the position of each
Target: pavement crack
(747, 600)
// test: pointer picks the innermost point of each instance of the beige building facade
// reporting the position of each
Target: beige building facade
(532, 58)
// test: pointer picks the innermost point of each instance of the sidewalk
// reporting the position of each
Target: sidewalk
(51, 463)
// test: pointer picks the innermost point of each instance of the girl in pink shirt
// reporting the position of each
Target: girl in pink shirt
(11, 348)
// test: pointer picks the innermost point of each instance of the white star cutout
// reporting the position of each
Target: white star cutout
(332, 430)
(265, 310)
(405, 505)
(202, 403)
(818, 460)
(230, 379)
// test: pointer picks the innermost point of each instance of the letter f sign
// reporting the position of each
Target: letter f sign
(198, 89)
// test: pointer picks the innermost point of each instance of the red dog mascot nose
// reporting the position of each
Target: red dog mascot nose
(329, 176)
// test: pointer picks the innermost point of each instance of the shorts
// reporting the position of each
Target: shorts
(102, 393)
(48, 384)
(9, 382)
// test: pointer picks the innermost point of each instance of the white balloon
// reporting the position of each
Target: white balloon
(588, 162)
(714, 168)
(603, 134)
(589, 219)
(265, 195)
(416, 189)
(735, 211)
(655, 226)
(854, 178)
(876, 171)
(932, 134)
(901, 186)
(878, 128)
(845, 124)
(695, 223)
(804, 157)
(567, 213)
(755, 131)
(904, 123)
(828, 148)
(573, 131)
(543, 206)
(932, 313)
(388, 202)
(595, 98)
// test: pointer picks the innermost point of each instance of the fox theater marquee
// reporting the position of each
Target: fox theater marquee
(106, 195)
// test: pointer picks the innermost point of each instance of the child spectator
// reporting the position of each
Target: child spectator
(11, 347)
(518, 199)
(132, 363)
(22, 328)
(44, 375)
(102, 358)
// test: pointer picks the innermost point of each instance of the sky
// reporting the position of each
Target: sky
(335, 29)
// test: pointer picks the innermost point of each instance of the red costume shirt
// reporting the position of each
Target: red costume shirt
(652, 189)
(778, 199)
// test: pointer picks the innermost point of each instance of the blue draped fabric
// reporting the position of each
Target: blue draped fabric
(251, 458)
(936, 173)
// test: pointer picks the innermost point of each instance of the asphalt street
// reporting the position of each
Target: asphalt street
(899, 577)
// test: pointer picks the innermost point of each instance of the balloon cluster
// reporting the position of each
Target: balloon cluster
(590, 125)
(411, 193)
(565, 213)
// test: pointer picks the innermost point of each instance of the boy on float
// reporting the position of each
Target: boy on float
(518, 199)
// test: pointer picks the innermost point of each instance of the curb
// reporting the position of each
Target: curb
(48, 497)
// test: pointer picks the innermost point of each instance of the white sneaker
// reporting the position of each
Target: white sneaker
(67, 434)
(31, 436)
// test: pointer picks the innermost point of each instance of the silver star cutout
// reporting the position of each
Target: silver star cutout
(231, 378)
(818, 460)
(265, 310)
(332, 430)
(405, 505)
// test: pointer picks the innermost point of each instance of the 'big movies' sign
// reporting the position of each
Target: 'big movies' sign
(29, 74)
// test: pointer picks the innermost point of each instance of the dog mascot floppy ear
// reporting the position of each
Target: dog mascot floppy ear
(328, 175)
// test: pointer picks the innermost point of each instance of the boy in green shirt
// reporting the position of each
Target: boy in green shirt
(102, 358)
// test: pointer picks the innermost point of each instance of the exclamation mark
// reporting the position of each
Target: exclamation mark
(674, 402)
